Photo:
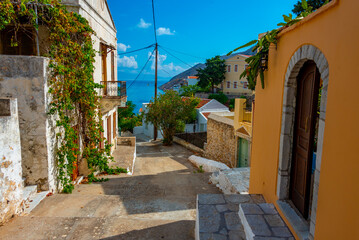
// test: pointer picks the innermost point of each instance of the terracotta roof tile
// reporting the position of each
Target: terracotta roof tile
(206, 114)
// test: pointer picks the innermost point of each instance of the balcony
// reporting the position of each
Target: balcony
(113, 89)
(113, 95)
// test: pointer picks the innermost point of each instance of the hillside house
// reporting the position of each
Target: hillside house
(24, 75)
(204, 108)
(229, 136)
(233, 85)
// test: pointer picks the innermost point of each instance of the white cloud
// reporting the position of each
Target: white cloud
(164, 31)
(122, 47)
(128, 62)
(143, 24)
(163, 68)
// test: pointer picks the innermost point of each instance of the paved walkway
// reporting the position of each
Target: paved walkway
(157, 202)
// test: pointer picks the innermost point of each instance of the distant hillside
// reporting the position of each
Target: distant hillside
(176, 79)
(193, 71)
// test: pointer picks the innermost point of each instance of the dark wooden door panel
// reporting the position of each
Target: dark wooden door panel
(307, 99)
(109, 139)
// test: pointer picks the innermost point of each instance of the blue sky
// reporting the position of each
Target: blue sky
(200, 28)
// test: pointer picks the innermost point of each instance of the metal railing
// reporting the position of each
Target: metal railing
(198, 139)
(113, 89)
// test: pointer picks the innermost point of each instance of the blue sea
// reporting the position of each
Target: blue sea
(142, 92)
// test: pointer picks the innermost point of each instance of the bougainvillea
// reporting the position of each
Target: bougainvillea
(74, 99)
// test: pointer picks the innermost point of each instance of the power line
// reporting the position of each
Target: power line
(141, 69)
(176, 57)
(183, 53)
(154, 20)
(136, 50)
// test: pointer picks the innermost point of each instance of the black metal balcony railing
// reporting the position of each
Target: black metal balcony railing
(113, 89)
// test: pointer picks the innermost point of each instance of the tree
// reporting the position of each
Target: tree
(127, 120)
(220, 97)
(315, 4)
(188, 91)
(169, 111)
(213, 73)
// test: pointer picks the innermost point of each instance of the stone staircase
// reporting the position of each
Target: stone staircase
(238, 216)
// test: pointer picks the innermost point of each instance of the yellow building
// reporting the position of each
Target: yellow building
(306, 133)
(233, 85)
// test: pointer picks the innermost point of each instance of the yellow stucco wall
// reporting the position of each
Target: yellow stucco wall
(335, 32)
(233, 76)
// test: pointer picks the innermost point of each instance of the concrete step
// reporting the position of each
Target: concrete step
(29, 191)
(34, 200)
(217, 215)
(262, 221)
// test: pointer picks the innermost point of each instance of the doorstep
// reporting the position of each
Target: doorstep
(262, 221)
(217, 215)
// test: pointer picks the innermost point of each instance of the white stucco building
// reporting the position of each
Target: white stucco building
(24, 77)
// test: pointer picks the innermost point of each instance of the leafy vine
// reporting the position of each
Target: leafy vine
(258, 63)
(75, 101)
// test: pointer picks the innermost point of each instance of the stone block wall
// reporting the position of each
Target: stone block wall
(221, 142)
(11, 187)
(25, 78)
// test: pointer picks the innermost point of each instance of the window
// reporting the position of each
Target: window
(235, 68)
(246, 66)
(24, 38)
(228, 84)
(245, 85)
(228, 68)
(235, 85)
(114, 125)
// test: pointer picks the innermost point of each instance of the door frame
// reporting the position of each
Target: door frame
(302, 55)
(301, 201)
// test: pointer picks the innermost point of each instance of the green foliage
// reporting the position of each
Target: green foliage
(181, 126)
(167, 111)
(189, 91)
(220, 97)
(258, 63)
(199, 170)
(127, 119)
(232, 104)
(213, 73)
(75, 101)
(315, 4)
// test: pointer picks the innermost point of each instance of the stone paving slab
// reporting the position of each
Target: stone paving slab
(217, 215)
(262, 221)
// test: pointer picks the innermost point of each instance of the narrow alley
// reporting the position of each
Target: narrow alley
(157, 202)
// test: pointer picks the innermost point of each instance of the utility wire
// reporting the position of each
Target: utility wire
(176, 57)
(183, 53)
(142, 69)
(154, 20)
(136, 50)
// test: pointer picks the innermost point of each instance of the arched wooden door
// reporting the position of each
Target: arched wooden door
(304, 129)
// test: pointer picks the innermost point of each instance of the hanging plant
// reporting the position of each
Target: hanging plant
(75, 101)
(258, 63)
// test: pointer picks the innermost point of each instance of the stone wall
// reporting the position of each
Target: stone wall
(11, 187)
(25, 78)
(221, 142)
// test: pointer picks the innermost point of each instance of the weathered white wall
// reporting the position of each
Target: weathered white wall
(98, 15)
(11, 187)
(25, 78)
(113, 140)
